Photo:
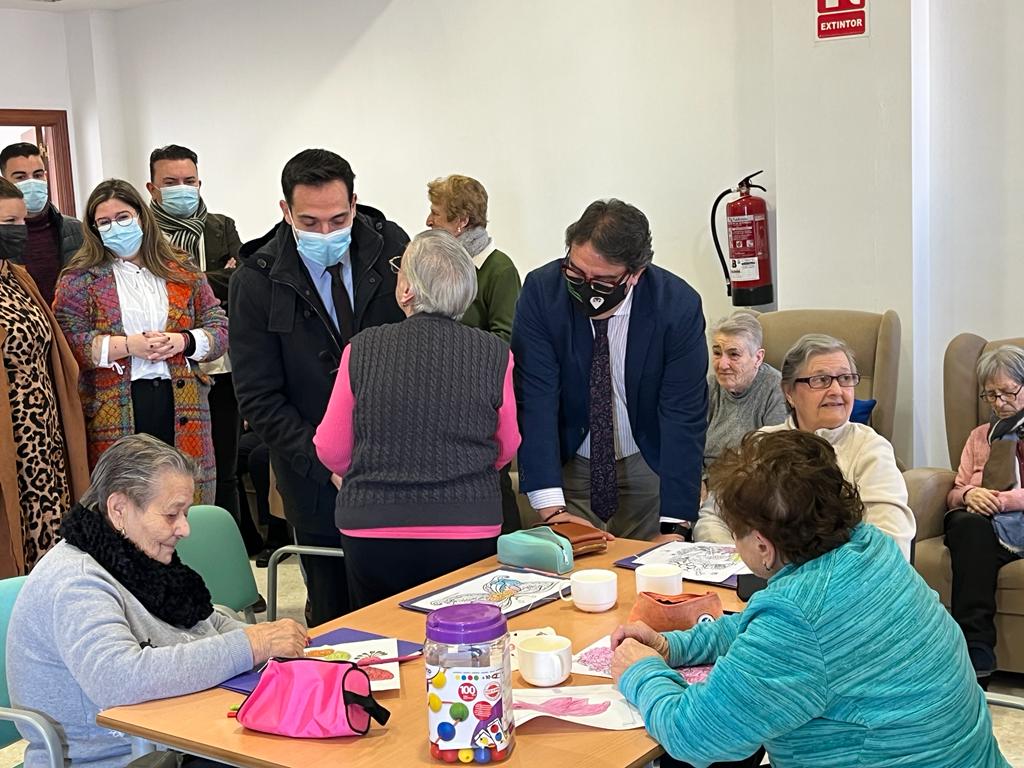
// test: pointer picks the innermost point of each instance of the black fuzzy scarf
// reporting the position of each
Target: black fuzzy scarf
(173, 593)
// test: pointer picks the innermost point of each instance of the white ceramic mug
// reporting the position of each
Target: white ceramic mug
(544, 660)
(662, 578)
(594, 590)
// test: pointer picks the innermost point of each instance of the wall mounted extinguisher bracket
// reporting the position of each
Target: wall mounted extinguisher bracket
(747, 270)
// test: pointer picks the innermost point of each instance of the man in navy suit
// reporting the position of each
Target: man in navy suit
(611, 381)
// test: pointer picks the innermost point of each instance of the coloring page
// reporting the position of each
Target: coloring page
(599, 706)
(596, 660)
(383, 677)
(521, 634)
(699, 562)
(512, 591)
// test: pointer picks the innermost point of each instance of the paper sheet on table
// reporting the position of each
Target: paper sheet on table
(712, 563)
(383, 677)
(599, 706)
(596, 660)
(516, 635)
(513, 590)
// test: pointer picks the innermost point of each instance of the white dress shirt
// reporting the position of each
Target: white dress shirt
(143, 300)
(625, 445)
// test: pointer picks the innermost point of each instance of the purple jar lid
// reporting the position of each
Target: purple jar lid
(468, 623)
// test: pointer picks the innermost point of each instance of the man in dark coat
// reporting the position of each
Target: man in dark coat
(301, 292)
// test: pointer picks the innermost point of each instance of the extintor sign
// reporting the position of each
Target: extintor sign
(842, 18)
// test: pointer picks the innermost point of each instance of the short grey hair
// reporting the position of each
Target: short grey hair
(1008, 359)
(741, 323)
(441, 274)
(808, 346)
(133, 466)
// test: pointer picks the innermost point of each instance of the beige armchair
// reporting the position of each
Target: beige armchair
(929, 487)
(874, 339)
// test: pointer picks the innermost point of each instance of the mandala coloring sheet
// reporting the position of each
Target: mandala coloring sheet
(699, 562)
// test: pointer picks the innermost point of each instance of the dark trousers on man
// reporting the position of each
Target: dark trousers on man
(326, 579)
(225, 425)
(751, 762)
(254, 460)
(976, 556)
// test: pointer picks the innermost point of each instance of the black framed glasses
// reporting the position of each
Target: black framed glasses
(396, 263)
(123, 219)
(601, 287)
(824, 380)
(1006, 397)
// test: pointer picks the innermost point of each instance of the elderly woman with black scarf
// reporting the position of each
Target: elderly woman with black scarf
(111, 616)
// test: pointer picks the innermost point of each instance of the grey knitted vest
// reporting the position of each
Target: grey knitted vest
(426, 396)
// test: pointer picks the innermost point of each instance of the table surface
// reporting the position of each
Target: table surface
(198, 723)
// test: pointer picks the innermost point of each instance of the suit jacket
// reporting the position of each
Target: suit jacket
(285, 351)
(666, 387)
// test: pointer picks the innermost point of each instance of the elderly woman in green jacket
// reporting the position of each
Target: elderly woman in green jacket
(846, 659)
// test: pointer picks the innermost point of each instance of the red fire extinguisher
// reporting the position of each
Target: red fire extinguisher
(748, 270)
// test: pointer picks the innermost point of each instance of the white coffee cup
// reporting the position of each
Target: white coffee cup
(662, 578)
(594, 590)
(544, 660)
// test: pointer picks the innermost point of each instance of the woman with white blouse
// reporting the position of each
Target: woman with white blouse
(140, 317)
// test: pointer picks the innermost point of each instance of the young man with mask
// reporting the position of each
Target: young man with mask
(301, 292)
(52, 237)
(611, 368)
(213, 243)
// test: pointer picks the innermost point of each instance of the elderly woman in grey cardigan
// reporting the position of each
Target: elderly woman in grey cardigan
(111, 616)
(743, 392)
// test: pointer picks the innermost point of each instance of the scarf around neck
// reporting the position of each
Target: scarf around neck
(173, 593)
(474, 240)
(183, 233)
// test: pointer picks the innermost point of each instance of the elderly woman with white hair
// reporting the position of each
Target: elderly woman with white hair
(986, 505)
(743, 390)
(422, 417)
(819, 374)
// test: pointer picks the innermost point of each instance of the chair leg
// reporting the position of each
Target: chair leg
(275, 558)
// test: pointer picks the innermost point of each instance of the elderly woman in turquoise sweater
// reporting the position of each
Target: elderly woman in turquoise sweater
(847, 658)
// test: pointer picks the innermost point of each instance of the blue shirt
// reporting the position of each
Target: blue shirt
(848, 660)
(322, 282)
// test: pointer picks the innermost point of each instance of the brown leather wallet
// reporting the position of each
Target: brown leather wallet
(585, 540)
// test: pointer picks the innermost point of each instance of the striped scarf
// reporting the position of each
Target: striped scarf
(183, 233)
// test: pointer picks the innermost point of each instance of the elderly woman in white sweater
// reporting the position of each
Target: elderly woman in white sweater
(818, 378)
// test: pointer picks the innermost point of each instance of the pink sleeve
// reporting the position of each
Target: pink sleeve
(507, 435)
(335, 437)
(972, 462)
(1012, 501)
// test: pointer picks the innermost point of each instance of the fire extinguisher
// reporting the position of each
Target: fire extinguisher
(748, 271)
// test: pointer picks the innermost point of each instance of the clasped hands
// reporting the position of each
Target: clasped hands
(983, 501)
(633, 642)
(155, 345)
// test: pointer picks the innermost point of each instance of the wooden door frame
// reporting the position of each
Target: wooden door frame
(58, 144)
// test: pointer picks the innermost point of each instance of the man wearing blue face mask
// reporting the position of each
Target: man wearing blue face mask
(610, 380)
(212, 241)
(300, 293)
(52, 237)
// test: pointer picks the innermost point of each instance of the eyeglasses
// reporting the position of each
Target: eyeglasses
(123, 219)
(824, 381)
(602, 287)
(396, 263)
(1006, 397)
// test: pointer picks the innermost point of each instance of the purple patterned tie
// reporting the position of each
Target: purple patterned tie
(604, 492)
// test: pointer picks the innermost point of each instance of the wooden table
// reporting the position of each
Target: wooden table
(198, 723)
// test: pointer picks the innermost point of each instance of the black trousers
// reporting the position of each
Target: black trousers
(509, 504)
(153, 408)
(225, 424)
(326, 578)
(381, 568)
(977, 556)
(254, 460)
(751, 762)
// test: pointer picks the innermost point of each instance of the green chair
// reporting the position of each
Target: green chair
(9, 716)
(214, 549)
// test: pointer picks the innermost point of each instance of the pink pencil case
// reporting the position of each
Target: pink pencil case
(311, 699)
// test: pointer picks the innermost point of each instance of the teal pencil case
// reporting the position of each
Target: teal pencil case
(539, 548)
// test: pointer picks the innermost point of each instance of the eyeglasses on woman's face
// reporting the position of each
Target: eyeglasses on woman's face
(993, 396)
(824, 380)
(123, 219)
(396, 263)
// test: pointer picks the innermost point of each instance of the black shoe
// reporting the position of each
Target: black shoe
(260, 606)
(983, 659)
(263, 558)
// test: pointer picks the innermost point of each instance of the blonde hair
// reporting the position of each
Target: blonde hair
(156, 253)
(460, 196)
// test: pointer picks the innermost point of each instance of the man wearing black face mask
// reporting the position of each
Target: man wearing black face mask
(610, 374)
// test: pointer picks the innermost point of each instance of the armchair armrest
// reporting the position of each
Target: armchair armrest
(927, 488)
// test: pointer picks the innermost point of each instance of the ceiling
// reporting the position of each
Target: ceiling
(75, 5)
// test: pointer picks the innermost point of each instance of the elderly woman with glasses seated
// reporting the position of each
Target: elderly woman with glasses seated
(422, 417)
(818, 378)
(987, 503)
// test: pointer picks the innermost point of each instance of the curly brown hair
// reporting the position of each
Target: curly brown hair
(460, 196)
(788, 487)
